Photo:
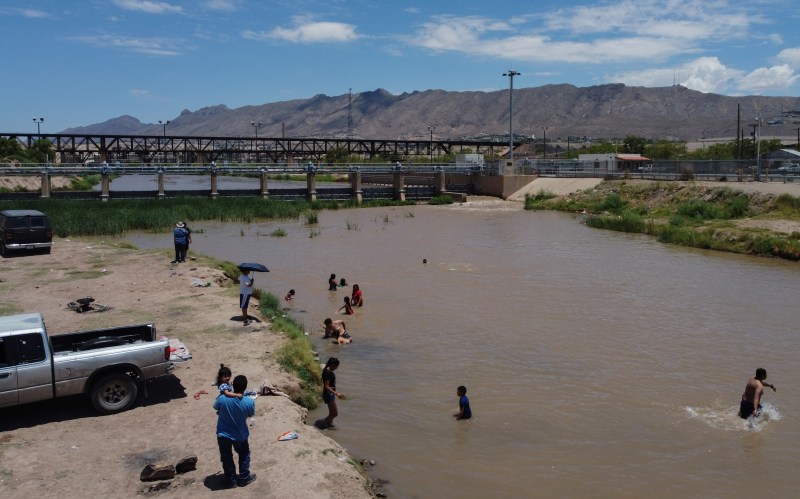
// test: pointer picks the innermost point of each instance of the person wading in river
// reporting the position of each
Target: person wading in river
(751, 398)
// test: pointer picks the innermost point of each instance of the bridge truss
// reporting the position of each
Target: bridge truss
(80, 148)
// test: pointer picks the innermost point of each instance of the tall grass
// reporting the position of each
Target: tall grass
(628, 221)
(297, 354)
(724, 207)
(91, 218)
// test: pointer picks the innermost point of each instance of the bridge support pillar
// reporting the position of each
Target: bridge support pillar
(439, 184)
(399, 187)
(45, 184)
(355, 183)
(161, 194)
(105, 185)
(264, 190)
(214, 192)
(311, 183)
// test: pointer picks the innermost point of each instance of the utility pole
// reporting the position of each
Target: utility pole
(753, 134)
(349, 113)
(511, 74)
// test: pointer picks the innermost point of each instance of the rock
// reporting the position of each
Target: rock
(153, 472)
(156, 487)
(188, 463)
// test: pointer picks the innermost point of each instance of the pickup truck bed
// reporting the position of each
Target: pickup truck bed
(101, 338)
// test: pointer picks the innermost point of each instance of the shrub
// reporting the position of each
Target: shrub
(613, 203)
(443, 199)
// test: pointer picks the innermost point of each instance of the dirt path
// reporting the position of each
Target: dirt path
(63, 448)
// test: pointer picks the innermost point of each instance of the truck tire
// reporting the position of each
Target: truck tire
(114, 393)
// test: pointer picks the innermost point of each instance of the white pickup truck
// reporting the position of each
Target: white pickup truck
(109, 365)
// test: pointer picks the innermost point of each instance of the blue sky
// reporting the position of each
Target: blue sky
(80, 62)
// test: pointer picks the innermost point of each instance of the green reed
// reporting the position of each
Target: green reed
(93, 218)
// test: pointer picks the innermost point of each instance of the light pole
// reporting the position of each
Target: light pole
(38, 122)
(165, 126)
(544, 141)
(431, 129)
(256, 126)
(511, 74)
(758, 150)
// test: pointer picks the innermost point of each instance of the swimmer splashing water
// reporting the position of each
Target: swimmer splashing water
(751, 398)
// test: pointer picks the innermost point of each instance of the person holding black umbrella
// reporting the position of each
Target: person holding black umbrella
(245, 292)
(246, 286)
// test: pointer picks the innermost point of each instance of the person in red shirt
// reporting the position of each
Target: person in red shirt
(356, 299)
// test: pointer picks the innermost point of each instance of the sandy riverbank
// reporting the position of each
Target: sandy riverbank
(63, 448)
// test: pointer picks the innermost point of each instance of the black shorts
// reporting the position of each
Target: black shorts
(328, 397)
(746, 409)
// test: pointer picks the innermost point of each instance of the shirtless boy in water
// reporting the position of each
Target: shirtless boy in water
(751, 398)
(337, 330)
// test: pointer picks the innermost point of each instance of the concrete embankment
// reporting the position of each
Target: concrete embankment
(557, 186)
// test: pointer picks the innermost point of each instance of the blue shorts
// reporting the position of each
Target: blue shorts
(327, 396)
(244, 300)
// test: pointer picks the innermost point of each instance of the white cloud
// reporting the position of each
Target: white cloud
(764, 79)
(149, 46)
(704, 74)
(790, 56)
(708, 74)
(30, 13)
(148, 6)
(478, 36)
(690, 19)
(33, 13)
(308, 32)
(141, 94)
(222, 5)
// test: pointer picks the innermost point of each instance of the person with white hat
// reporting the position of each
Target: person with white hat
(182, 236)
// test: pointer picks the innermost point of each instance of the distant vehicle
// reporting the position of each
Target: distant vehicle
(24, 230)
(646, 168)
(789, 168)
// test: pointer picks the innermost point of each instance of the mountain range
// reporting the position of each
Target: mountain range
(557, 111)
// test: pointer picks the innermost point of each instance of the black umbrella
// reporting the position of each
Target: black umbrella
(255, 267)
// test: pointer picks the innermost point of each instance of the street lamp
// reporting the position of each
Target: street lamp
(38, 122)
(758, 150)
(511, 74)
(165, 126)
(431, 129)
(544, 141)
(256, 126)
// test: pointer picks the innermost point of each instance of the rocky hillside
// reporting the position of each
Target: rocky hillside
(603, 111)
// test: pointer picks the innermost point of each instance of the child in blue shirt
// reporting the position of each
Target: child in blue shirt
(223, 380)
(464, 412)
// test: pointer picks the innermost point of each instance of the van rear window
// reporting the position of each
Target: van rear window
(38, 222)
(18, 223)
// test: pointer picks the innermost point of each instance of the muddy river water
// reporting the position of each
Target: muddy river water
(598, 364)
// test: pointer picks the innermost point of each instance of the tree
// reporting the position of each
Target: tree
(41, 151)
(10, 150)
(634, 145)
(337, 155)
(665, 149)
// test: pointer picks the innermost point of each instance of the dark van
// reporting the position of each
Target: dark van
(24, 230)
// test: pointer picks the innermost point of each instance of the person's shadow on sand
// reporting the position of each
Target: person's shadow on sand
(215, 482)
(240, 318)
